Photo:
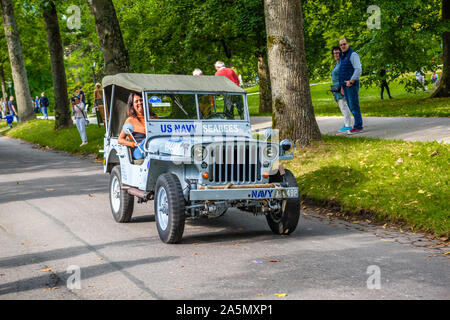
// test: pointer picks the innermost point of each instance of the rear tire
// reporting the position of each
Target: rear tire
(169, 208)
(285, 222)
(122, 203)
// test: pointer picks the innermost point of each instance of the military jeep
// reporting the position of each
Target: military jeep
(201, 157)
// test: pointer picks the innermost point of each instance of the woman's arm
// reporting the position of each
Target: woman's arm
(123, 141)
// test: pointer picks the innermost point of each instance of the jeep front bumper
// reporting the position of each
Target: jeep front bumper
(250, 193)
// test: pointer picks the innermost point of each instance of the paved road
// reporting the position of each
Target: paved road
(404, 128)
(54, 213)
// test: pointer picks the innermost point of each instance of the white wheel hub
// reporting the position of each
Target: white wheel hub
(162, 208)
(115, 194)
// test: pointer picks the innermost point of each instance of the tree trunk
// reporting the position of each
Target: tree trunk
(293, 113)
(3, 83)
(444, 88)
(19, 73)
(107, 25)
(265, 92)
(63, 117)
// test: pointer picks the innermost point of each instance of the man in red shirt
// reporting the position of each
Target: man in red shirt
(226, 72)
(231, 101)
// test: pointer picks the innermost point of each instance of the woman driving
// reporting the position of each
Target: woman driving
(137, 119)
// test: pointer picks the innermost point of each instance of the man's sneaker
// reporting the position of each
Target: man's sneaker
(353, 131)
(344, 128)
(83, 144)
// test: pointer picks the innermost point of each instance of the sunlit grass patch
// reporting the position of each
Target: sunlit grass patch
(392, 180)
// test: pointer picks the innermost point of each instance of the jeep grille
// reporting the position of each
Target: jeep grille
(238, 162)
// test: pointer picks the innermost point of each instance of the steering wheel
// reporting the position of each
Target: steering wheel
(216, 115)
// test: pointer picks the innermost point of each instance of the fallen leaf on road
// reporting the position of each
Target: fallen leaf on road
(180, 288)
(420, 191)
(49, 189)
(260, 294)
(46, 269)
(90, 195)
(274, 260)
(55, 288)
(281, 295)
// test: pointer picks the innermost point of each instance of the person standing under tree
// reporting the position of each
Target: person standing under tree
(349, 72)
(338, 96)
(98, 100)
(384, 84)
(12, 108)
(230, 100)
(44, 103)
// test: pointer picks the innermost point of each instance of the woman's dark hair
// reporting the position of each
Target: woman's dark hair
(130, 110)
(334, 49)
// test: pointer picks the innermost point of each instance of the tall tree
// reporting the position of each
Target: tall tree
(19, 73)
(2, 78)
(293, 113)
(109, 34)
(63, 118)
(444, 88)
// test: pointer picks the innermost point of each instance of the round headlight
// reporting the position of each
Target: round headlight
(270, 152)
(199, 152)
(286, 145)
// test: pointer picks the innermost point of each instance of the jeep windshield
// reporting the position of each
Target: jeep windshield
(204, 106)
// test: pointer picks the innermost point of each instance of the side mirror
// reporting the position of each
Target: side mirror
(128, 128)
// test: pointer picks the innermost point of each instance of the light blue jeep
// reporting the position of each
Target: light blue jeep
(201, 156)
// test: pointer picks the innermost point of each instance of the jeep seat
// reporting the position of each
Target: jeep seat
(134, 161)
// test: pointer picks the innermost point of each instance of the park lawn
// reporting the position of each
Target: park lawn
(42, 132)
(387, 180)
(404, 104)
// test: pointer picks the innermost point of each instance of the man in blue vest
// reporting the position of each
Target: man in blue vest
(349, 73)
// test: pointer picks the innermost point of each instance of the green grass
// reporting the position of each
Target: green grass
(404, 104)
(396, 181)
(42, 132)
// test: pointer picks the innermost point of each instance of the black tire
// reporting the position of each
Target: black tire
(285, 223)
(169, 208)
(121, 202)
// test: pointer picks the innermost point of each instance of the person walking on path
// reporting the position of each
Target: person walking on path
(384, 84)
(12, 108)
(44, 103)
(80, 121)
(338, 96)
(349, 72)
(37, 109)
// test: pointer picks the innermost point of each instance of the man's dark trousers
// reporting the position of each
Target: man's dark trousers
(351, 94)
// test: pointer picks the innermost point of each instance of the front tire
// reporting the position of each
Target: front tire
(285, 222)
(169, 208)
(122, 203)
